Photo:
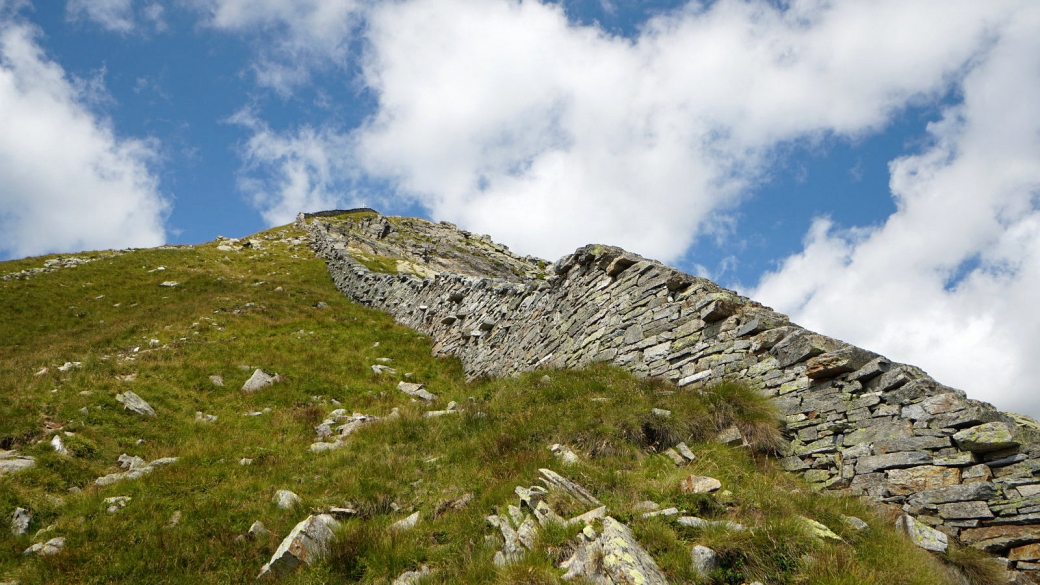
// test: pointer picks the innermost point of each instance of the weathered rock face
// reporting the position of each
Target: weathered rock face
(855, 420)
(308, 542)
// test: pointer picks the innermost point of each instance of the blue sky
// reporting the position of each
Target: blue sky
(870, 168)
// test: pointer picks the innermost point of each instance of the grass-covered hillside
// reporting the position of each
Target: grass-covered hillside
(271, 305)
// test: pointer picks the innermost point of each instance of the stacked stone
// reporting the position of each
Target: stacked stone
(856, 421)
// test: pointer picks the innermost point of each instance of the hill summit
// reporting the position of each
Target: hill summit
(222, 413)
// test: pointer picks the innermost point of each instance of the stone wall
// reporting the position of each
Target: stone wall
(856, 421)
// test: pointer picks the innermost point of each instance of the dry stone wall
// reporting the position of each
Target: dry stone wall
(855, 420)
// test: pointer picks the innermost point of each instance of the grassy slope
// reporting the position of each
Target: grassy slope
(219, 318)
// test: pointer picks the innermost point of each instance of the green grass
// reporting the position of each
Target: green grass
(219, 318)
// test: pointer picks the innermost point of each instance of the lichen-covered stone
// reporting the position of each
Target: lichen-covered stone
(614, 556)
(306, 543)
(922, 535)
(987, 437)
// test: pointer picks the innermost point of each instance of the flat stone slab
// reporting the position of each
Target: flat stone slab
(135, 404)
(260, 379)
(416, 391)
(12, 462)
(987, 437)
(922, 535)
(696, 484)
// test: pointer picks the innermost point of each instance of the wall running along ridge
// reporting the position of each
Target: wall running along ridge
(856, 421)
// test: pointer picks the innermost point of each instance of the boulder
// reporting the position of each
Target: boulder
(11, 461)
(416, 391)
(696, 484)
(51, 547)
(704, 559)
(135, 404)
(20, 521)
(287, 499)
(922, 535)
(258, 380)
(305, 544)
(987, 437)
(611, 557)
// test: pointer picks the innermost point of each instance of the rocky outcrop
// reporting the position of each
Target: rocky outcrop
(855, 420)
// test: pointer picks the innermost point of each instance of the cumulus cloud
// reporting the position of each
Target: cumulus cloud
(507, 118)
(297, 35)
(117, 15)
(950, 281)
(289, 172)
(68, 182)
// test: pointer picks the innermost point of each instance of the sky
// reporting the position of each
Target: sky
(871, 169)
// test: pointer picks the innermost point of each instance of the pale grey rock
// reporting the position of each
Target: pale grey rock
(286, 499)
(685, 452)
(611, 557)
(135, 404)
(564, 454)
(696, 484)
(646, 506)
(660, 412)
(674, 456)
(11, 462)
(20, 521)
(554, 480)
(59, 447)
(51, 547)
(856, 524)
(200, 417)
(704, 559)
(116, 503)
(695, 522)
(169, 283)
(216, 380)
(987, 437)
(922, 535)
(257, 530)
(259, 380)
(380, 370)
(307, 543)
(405, 524)
(730, 436)
(416, 391)
(412, 577)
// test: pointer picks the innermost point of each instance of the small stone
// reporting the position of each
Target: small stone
(11, 462)
(855, 523)
(704, 559)
(135, 404)
(258, 380)
(60, 447)
(245, 461)
(308, 542)
(816, 529)
(406, 524)
(169, 283)
(20, 521)
(412, 577)
(674, 456)
(174, 520)
(695, 484)
(117, 503)
(216, 380)
(646, 506)
(286, 499)
(545, 379)
(922, 535)
(51, 547)
(257, 530)
(660, 412)
(685, 452)
(565, 454)
(416, 390)
(204, 418)
(730, 436)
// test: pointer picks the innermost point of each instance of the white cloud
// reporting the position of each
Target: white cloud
(116, 15)
(297, 35)
(286, 173)
(950, 282)
(507, 118)
(68, 182)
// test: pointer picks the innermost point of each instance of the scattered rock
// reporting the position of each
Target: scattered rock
(286, 499)
(696, 484)
(695, 522)
(216, 380)
(20, 521)
(169, 283)
(257, 530)
(987, 437)
(704, 559)
(68, 366)
(380, 370)
(258, 380)
(674, 456)
(731, 437)
(134, 404)
(11, 461)
(685, 452)
(660, 412)
(306, 543)
(415, 390)
(60, 447)
(614, 556)
(922, 535)
(204, 418)
(51, 547)
(174, 520)
(564, 454)
(406, 524)
(554, 480)
(646, 506)
(117, 503)
(245, 461)
(412, 577)
(856, 523)
(665, 512)
(816, 529)
(135, 467)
